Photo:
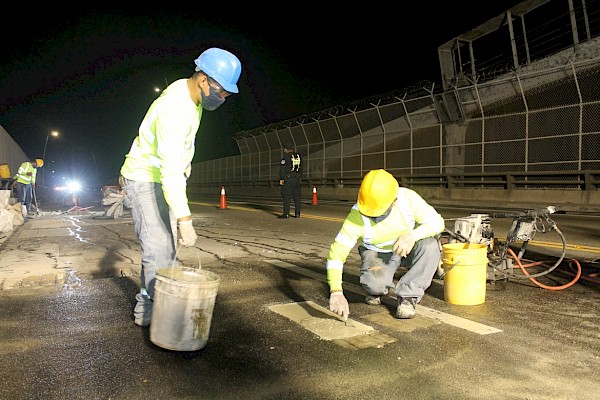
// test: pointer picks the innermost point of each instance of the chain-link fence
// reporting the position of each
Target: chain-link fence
(518, 108)
(529, 121)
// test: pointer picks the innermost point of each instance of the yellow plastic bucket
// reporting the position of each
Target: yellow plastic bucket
(184, 300)
(465, 272)
(4, 171)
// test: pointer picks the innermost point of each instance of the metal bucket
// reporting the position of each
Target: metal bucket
(184, 300)
(465, 272)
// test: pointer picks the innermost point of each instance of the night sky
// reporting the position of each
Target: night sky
(90, 74)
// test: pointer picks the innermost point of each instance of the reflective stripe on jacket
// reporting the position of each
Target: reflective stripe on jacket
(164, 148)
(410, 213)
(21, 175)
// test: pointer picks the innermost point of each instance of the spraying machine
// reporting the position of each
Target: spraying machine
(477, 228)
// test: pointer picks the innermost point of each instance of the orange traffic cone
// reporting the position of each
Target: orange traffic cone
(315, 201)
(223, 202)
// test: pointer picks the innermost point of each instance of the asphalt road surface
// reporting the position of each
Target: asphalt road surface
(66, 329)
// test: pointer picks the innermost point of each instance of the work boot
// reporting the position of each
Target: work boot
(284, 216)
(297, 215)
(142, 321)
(406, 308)
(373, 300)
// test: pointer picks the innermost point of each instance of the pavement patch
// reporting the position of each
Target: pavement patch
(328, 325)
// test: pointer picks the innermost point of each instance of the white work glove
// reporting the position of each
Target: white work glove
(187, 233)
(404, 244)
(339, 305)
(116, 209)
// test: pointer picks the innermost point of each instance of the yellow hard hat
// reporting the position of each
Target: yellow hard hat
(39, 162)
(377, 191)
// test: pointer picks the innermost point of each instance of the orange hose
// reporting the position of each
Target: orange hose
(589, 277)
(566, 285)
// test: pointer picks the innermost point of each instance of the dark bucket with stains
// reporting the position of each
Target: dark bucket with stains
(184, 300)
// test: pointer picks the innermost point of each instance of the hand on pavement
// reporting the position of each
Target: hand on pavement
(404, 244)
(339, 305)
(187, 233)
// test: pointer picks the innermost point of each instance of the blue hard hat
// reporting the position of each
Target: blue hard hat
(222, 66)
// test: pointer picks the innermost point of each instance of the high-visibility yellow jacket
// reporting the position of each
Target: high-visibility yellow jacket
(409, 213)
(164, 148)
(26, 174)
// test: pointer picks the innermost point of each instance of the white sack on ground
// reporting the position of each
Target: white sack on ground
(116, 200)
(6, 220)
(4, 198)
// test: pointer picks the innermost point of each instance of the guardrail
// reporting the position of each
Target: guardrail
(558, 180)
(572, 191)
(555, 180)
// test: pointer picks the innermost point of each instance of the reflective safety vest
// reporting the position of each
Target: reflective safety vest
(410, 213)
(22, 174)
(295, 162)
(164, 148)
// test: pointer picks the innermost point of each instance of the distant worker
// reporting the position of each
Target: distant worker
(155, 172)
(290, 176)
(25, 182)
(396, 227)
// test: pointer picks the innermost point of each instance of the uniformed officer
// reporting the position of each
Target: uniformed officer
(290, 174)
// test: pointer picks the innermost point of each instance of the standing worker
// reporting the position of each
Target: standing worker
(290, 175)
(25, 181)
(396, 227)
(154, 174)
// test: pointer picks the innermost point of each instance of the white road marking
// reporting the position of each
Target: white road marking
(449, 319)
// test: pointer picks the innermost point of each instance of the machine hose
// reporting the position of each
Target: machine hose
(532, 277)
(575, 272)
(560, 259)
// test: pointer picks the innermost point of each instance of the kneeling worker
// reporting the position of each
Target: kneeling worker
(397, 227)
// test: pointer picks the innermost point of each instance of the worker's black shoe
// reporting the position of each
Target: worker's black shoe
(297, 216)
(284, 216)
(406, 307)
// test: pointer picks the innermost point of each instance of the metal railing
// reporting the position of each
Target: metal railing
(549, 180)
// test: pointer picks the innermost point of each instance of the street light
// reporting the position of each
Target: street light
(55, 134)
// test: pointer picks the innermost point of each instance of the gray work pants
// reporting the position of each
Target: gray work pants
(156, 229)
(377, 269)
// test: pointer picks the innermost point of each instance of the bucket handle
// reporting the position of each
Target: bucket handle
(448, 270)
(179, 246)
(199, 262)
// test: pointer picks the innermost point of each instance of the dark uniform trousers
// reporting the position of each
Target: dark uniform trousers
(291, 190)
